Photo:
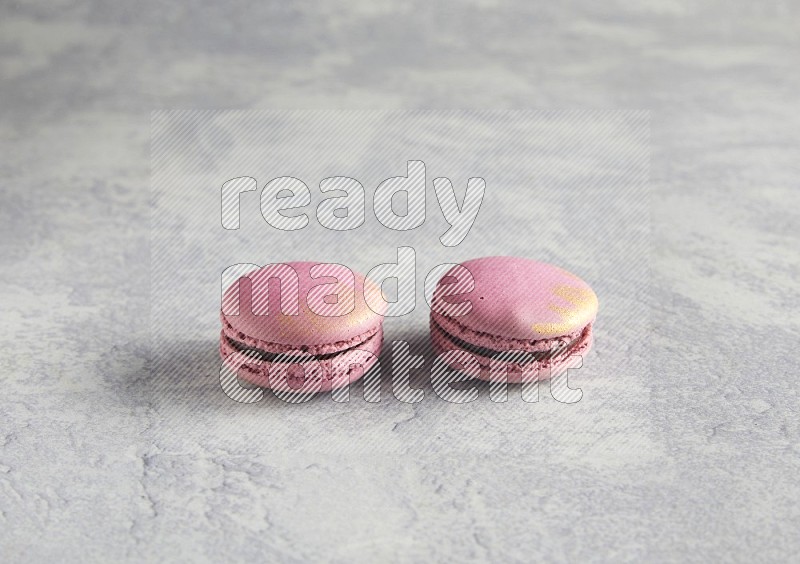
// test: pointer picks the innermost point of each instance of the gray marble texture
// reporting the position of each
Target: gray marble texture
(691, 454)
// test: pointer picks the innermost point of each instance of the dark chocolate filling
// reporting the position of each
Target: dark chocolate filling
(514, 355)
(267, 356)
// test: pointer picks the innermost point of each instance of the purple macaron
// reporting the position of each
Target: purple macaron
(300, 327)
(522, 319)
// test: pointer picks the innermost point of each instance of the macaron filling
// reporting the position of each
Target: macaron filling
(292, 356)
(450, 326)
(316, 350)
(516, 350)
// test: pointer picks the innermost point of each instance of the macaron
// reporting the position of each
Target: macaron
(522, 319)
(300, 327)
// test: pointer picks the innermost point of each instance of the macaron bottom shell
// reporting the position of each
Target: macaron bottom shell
(300, 372)
(539, 366)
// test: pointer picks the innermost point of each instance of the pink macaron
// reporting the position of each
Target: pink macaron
(300, 327)
(511, 317)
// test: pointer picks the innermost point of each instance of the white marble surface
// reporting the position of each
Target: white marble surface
(696, 462)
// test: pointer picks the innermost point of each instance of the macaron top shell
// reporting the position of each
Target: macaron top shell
(319, 309)
(518, 298)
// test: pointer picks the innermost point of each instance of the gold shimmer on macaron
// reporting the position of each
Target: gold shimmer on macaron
(583, 302)
(357, 310)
